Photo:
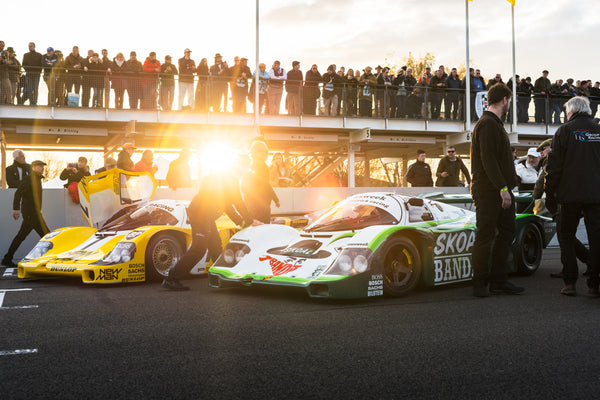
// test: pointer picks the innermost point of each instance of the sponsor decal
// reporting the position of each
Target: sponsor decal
(136, 269)
(586, 136)
(318, 271)
(375, 287)
(282, 267)
(240, 240)
(109, 274)
(62, 268)
(162, 207)
(452, 260)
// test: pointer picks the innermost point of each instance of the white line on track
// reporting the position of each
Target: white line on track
(3, 292)
(17, 352)
(9, 272)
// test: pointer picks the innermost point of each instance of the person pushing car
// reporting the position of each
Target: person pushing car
(218, 193)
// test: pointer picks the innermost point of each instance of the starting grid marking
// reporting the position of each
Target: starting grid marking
(10, 273)
(17, 352)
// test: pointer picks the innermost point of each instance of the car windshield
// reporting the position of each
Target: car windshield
(146, 215)
(351, 216)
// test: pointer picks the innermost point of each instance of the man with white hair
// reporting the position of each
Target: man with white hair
(528, 170)
(19, 170)
(573, 181)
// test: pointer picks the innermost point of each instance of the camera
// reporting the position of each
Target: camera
(72, 165)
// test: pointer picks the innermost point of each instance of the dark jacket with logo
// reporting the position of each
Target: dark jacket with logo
(419, 174)
(572, 174)
(492, 162)
(12, 174)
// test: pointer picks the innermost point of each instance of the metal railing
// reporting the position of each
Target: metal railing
(167, 92)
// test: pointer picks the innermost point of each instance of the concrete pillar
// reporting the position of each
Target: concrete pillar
(3, 184)
(367, 181)
(404, 168)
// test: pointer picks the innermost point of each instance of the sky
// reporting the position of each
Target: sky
(556, 35)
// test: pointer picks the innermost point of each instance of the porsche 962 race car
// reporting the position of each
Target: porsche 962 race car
(130, 238)
(369, 245)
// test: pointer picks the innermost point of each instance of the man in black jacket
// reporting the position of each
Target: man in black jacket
(493, 176)
(217, 194)
(541, 88)
(18, 171)
(28, 202)
(419, 173)
(32, 63)
(124, 161)
(449, 169)
(75, 173)
(572, 181)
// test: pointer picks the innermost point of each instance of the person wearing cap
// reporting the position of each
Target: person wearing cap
(27, 203)
(528, 170)
(109, 163)
(541, 89)
(48, 62)
(32, 63)
(124, 161)
(134, 85)
(13, 67)
(239, 73)
(293, 86)
(331, 85)
(573, 189)
(218, 78)
(278, 76)
(187, 67)
(366, 85)
(263, 87)
(493, 174)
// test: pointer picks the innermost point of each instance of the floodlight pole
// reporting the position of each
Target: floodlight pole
(256, 75)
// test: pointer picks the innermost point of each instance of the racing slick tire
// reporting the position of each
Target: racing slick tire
(401, 266)
(528, 255)
(163, 252)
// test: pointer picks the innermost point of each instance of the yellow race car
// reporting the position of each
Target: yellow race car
(130, 238)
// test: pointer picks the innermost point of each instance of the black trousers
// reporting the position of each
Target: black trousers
(30, 222)
(493, 237)
(569, 215)
(203, 238)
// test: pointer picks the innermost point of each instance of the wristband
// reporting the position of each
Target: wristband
(504, 189)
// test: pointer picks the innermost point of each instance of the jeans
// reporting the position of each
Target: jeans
(555, 110)
(330, 104)
(493, 237)
(569, 215)
(186, 87)
(32, 83)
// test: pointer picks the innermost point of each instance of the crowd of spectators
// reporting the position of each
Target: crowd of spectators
(87, 81)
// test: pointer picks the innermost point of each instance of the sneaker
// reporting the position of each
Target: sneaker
(506, 288)
(481, 289)
(568, 290)
(173, 284)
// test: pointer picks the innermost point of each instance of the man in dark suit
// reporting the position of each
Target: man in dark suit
(19, 170)
(28, 201)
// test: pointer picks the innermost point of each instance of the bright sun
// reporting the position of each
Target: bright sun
(217, 157)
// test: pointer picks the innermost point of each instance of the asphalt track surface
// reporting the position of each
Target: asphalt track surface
(138, 341)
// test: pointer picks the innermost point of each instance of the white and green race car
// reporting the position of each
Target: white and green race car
(371, 244)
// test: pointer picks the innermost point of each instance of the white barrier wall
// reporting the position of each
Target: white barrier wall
(60, 211)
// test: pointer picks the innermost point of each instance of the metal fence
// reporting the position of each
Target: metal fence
(167, 92)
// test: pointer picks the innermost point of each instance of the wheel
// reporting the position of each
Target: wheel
(162, 253)
(401, 266)
(529, 249)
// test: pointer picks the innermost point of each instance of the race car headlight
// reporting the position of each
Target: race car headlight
(232, 255)
(41, 248)
(351, 262)
(122, 253)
